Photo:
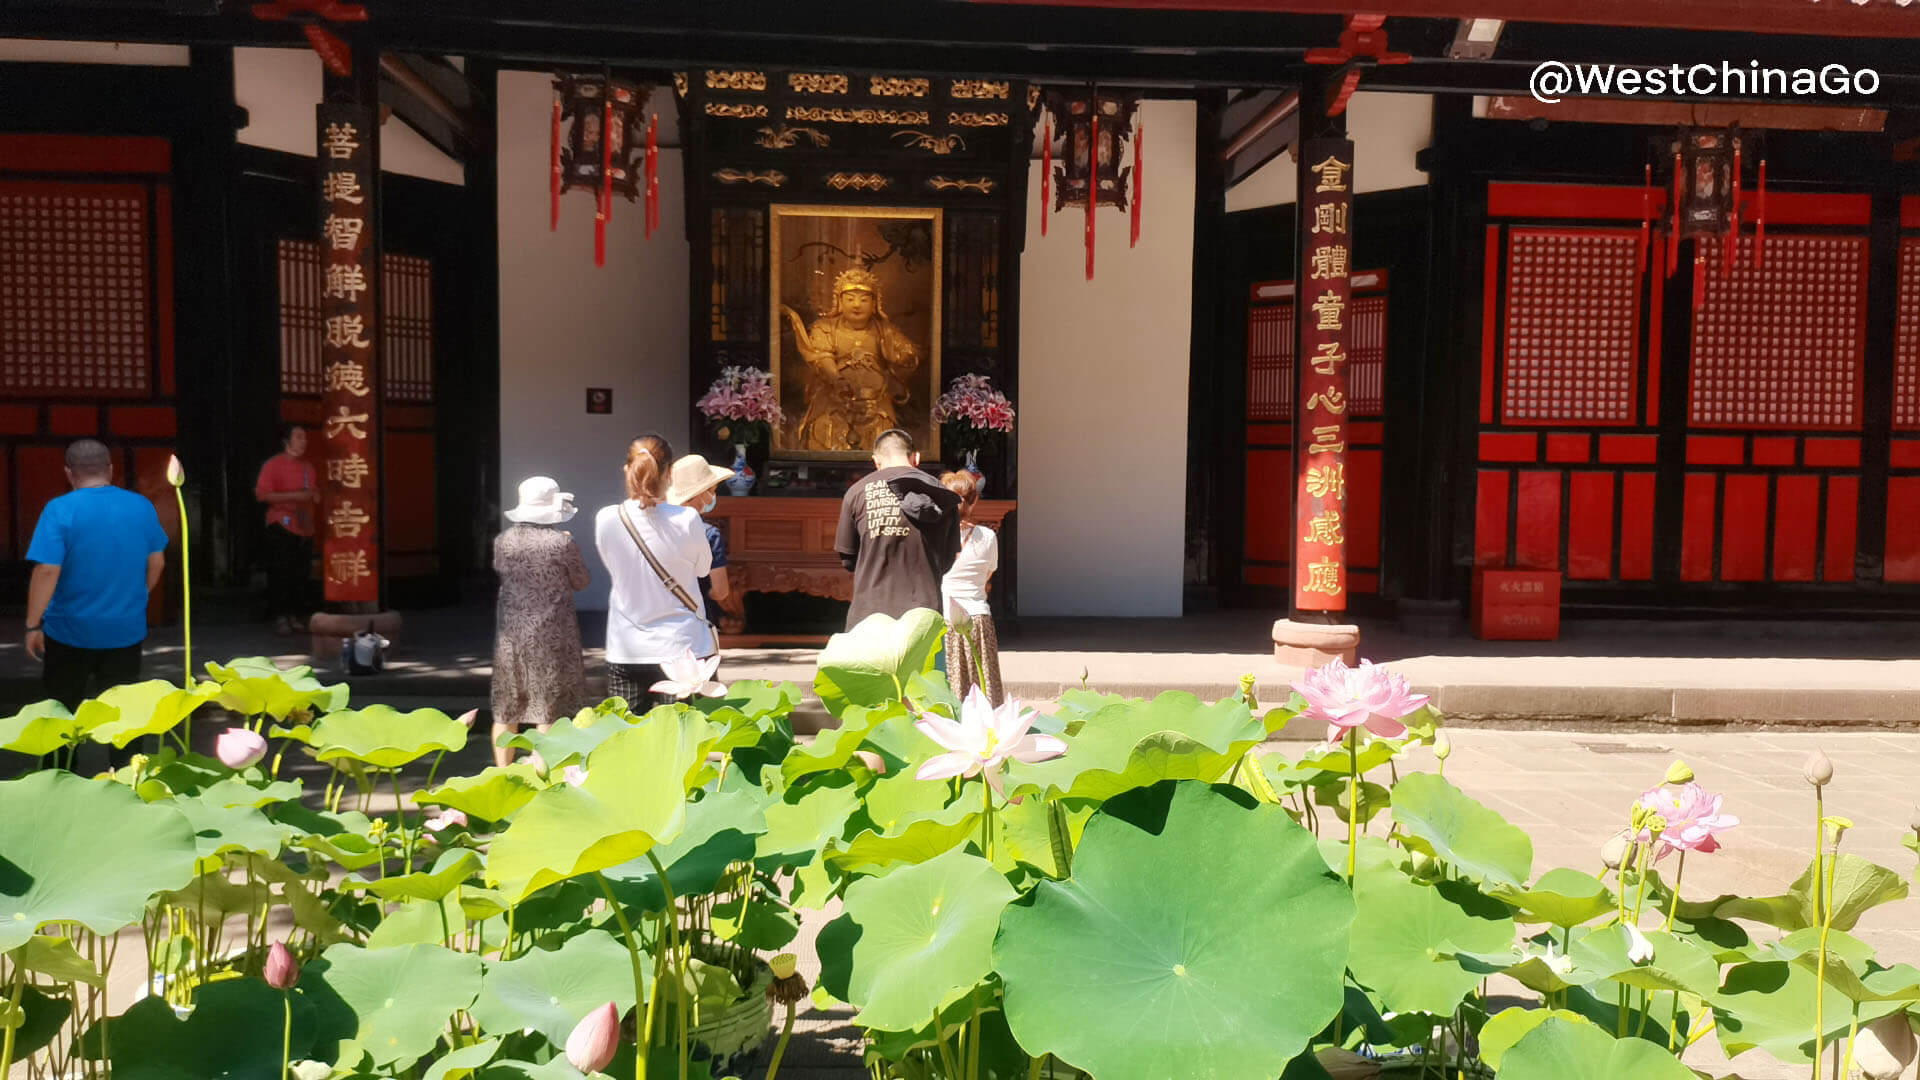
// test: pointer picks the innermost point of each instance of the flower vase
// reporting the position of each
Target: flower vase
(972, 465)
(742, 480)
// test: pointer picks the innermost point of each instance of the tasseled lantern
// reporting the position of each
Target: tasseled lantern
(1708, 164)
(1095, 128)
(585, 106)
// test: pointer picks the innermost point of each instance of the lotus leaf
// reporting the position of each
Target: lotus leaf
(46, 726)
(1563, 1049)
(384, 737)
(234, 1033)
(1023, 836)
(873, 662)
(1331, 792)
(769, 924)
(219, 829)
(256, 686)
(1469, 837)
(1677, 964)
(1850, 966)
(494, 794)
(392, 1002)
(153, 707)
(1406, 937)
(1135, 744)
(56, 958)
(925, 937)
(41, 1018)
(919, 839)
(1509, 1026)
(719, 832)
(1770, 1004)
(132, 850)
(450, 871)
(232, 791)
(419, 922)
(1858, 886)
(569, 742)
(464, 1062)
(1152, 933)
(549, 992)
(1562, 897)
(798, 827)
(834, 747)
(633, 798)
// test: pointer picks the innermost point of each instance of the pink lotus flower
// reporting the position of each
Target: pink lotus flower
(1345, 698)
(467, 718)
(444, 818)
(237, 748)
(595, 1039)
(690, 675)
(574, 775)
(983, 740)
(1692, 815)
(281, 972)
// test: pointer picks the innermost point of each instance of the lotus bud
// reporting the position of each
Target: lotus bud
(595, 1039)
(281, 971)
(467, 718)
(1442, 746)
(309, 1070)
(1614, 852)
(1678, 773)
(238, 748)
(788, 988)
(445, 818)
(874, 762)
(1885, 1048)
(176, 475)
(377, 830)
(1639, 949)
(1818, 770)
(574, 775)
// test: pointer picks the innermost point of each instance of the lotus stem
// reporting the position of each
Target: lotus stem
(780, 1048)
(186, 601)
(1853, 1034)
(1353, 801)
(973, 1045)
(986, 819)
(286, 1032)
(1033, 1069)
(940, 1038)
(679, 960)
(400, 819)
(13, 1003)
(1673, 901)
(633, 952)
(1819, 852)
(1820, 972)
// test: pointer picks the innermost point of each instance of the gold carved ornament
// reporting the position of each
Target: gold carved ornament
(974, 119)
(841, 181)
(888, 86)
(807, 83)
(812, 114)
(736, 80)
(772, 177)
(938, 144)
(740, 112)
(782, 137)
(980, 90)
(680, 83)
(982, 184)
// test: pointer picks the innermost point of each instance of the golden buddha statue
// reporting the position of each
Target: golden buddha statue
(857, 364)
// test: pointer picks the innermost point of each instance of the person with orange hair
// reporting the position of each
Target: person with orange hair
(972, 647)
(656, 553)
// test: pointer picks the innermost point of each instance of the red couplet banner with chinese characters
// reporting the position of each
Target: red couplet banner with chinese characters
(349, 404)
(1324, 319)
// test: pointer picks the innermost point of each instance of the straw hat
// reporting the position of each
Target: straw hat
(693, 477)
(542, 503)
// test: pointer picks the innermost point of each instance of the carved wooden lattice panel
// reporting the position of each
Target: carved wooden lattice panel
(1906, 348)
(1367, 357)
(406, 339)
(1782, 346)
(739, 285)
(1572, 326)
(972, 282)
(1270, 363)
(74, 295)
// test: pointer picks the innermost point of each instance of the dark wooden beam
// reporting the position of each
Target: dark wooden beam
(1675, 114)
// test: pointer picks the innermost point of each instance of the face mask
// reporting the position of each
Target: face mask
(712, 501)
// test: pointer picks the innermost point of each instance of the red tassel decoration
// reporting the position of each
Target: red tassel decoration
(1733, 223)
(1139, 172)
(1673, 252)
(1093, 182)
(1046, 174)
(653, 174)
(554, 183)
(1646, 219)
(606, 184)
(1760, 217)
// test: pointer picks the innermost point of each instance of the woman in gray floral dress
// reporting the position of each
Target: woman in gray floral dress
(538, 670)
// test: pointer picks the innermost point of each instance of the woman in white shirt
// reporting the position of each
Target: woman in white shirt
(973, 650)
(649, 622)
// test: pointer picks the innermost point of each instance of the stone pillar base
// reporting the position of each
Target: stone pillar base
(328, 628)
(1310, 645)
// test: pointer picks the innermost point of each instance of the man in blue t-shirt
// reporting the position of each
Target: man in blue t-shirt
(100, 551)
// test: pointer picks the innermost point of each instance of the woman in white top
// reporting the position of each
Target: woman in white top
(647, 622)
(973, 649)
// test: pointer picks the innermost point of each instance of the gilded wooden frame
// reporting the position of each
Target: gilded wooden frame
(785, 271)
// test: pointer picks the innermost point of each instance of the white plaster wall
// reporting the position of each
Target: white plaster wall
(29, 50)
(1387, 131)
(1103, 395)
(279, 89)
(566, 325)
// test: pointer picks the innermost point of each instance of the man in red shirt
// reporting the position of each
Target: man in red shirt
(287, 486)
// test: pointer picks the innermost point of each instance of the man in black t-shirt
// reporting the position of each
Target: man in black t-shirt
(899, 533)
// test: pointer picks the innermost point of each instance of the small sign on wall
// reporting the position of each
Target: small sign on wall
(599, 399)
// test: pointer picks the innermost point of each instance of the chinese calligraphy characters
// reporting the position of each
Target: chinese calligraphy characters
(349, 334)
(1325, 335)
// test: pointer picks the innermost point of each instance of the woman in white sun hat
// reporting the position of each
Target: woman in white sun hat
(538, 670)
(693, 482)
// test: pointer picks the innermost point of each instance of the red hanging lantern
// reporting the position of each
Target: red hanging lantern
(1096, 127)
(597, 137)
(1093, 196)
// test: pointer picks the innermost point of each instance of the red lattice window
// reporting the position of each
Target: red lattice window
(406, 338)
(74, 293)
(1572, 327)
(1782, 346)
(1270, 359)
(1906, 342)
